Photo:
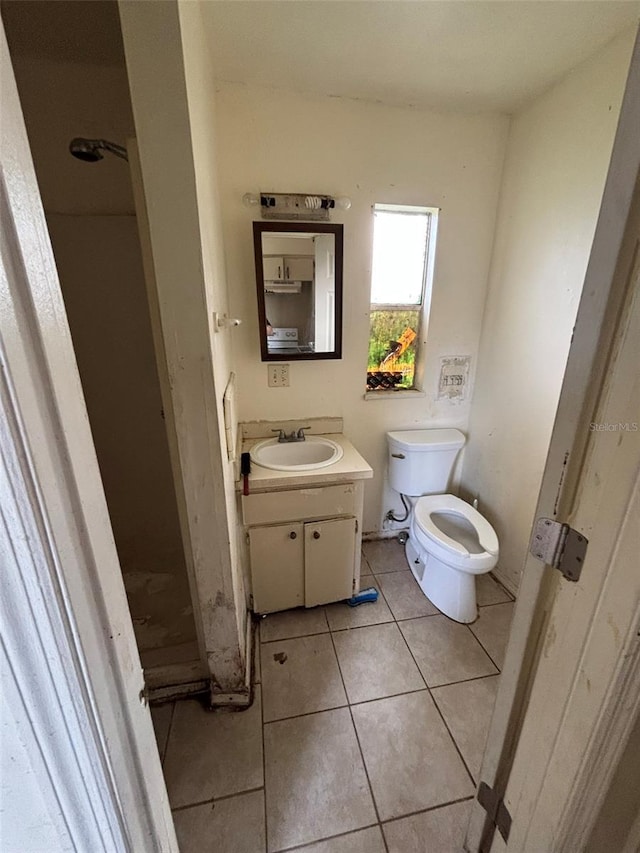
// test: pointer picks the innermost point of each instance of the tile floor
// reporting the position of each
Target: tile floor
(366, 734)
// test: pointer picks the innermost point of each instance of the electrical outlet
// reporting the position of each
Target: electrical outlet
(278, 375)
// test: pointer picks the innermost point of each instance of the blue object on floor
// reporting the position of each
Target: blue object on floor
(362, 597)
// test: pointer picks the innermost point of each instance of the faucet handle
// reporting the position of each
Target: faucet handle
(301, 430)
(281, 434)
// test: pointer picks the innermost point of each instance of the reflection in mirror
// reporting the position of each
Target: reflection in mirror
(299, 279)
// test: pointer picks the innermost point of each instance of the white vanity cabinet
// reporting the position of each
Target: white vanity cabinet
(304, 545)
(276, 268)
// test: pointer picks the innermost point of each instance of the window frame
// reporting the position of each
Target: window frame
(423, 307)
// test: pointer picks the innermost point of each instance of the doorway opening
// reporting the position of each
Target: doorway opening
(73, 86)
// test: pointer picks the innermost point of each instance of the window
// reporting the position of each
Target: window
(403, 249)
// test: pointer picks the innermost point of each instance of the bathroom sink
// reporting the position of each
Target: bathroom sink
(314, 452)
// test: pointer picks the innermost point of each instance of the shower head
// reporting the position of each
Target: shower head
(90, 150)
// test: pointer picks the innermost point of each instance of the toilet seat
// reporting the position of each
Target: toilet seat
(430, 504)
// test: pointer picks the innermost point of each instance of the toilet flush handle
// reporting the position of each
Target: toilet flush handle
(398, 455)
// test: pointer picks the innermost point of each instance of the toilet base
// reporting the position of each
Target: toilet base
(453, 592)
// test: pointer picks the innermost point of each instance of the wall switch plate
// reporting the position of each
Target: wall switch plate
(278, 375)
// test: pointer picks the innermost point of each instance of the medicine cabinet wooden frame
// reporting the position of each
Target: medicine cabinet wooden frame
(260, 228)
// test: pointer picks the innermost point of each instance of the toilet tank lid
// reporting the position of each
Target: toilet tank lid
(425, 440)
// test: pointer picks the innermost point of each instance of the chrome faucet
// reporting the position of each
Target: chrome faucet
(292, 436)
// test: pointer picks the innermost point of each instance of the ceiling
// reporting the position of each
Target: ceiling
(460, 55)
(485, 55)
(65, 30)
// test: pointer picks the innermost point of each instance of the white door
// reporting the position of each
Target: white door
(570, 689)
(324, 292)
(591, 658)
(83, 768)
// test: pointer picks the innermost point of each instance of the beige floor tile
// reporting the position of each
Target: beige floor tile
(385, 555)
(342, 616)
(445, 651)
(438, 831)
(404, 596)
(299, 677)
(467, 709)
(492, 629)
(213, 753)
(234, 825)
(489, 591)
(161, 717)
(375, 662)
(362, 841)
(411, 760)
(293, 623)
(315, 781)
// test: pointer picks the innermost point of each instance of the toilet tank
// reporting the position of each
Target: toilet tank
(421, 460)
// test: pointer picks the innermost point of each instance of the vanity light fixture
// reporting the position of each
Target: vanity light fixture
(295, 205)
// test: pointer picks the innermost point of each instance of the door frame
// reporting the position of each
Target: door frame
(71, 655)
(594, 332)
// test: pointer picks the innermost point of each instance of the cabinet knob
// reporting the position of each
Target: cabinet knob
(293, 534)
(316, 535)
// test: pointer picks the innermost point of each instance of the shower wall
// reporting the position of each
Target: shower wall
(90, 214)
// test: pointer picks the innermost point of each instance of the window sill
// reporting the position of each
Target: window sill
(403, 394)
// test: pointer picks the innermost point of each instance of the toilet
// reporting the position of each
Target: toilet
(449, 540)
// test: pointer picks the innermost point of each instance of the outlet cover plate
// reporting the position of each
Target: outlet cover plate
(278, 375)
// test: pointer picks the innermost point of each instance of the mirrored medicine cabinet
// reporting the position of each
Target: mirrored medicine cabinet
(299, 288)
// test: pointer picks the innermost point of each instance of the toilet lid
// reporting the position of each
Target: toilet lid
(455, 524)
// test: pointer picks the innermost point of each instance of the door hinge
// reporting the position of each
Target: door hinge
(356, 525)
(495, 808)
(560, 546)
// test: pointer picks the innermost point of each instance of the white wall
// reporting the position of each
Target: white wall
(62, 99)
(284, 142)
(557, 159)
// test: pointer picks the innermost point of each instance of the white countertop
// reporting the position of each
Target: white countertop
(352, 466)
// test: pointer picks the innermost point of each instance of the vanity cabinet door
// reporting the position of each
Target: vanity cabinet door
(329, 560)
(273, 268)
(277, 566)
